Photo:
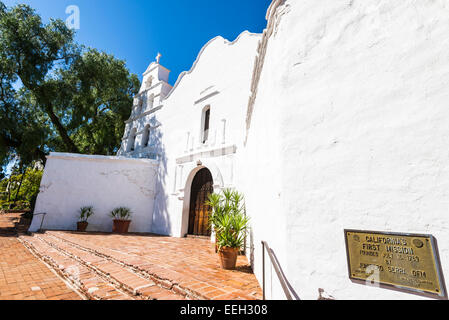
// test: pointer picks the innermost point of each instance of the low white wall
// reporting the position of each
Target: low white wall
(73, 181)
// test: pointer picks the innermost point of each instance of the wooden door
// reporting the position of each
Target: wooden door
(202, 187)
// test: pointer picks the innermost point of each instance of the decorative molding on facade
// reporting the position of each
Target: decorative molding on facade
(144, 114)
(153, 66)
(273, 17)
(205, 90)
(159, 84)
(210, 95)
(181, 76)
(211, 153)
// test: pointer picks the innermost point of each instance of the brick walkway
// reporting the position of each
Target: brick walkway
(150, 267)
(115, 267)
(22, 275)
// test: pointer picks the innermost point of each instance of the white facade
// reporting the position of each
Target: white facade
(335, 118)
(219, 81)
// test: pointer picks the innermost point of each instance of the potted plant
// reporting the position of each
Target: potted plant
(230, 202)
(215, 201)
(231, 232)
(84, 214)
(229, 222)
(122, 220)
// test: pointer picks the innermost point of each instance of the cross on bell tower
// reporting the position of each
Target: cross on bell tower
(155, 74)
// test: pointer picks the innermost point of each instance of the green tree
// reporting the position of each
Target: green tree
(101, 91)
(55, 94)
(31, 184)
(20, 188)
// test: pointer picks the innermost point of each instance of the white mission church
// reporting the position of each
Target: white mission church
(336, 117)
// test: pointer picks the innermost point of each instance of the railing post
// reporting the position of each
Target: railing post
(277, 269)
(42, 221)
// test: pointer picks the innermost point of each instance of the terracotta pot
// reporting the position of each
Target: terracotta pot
(216, 243)
(228, 257)
(121, 226)
(82, 226)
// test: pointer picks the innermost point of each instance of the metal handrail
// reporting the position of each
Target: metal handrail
(280, 274)
(43, 217)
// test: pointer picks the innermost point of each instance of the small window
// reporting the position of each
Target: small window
(146, 136)
(132, 140)
(149, 82)
(139, 107)
(206, 124)
(151, 102)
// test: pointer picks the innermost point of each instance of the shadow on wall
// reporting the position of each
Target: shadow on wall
(271, 263)
(282, 274)
(251, 248)
(161, 220)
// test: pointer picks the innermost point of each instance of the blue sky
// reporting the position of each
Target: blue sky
(136, 30)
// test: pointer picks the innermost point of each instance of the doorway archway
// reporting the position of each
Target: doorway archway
(202, 187)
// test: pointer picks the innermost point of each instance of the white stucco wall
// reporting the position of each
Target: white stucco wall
(74, 181)
(360, 136)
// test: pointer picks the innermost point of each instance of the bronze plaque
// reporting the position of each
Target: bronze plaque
(405, 261)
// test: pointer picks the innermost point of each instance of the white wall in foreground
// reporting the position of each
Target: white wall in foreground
(73, 181)
(362, 92)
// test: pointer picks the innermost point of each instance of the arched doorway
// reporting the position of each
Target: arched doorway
(202, 187)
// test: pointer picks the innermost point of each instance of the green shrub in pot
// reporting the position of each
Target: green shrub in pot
(230, 225)
(122, 219)
(84, 214)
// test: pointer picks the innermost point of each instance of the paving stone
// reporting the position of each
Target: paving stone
(192, 264)
(22, 275)
(98, 269)
(81, 276)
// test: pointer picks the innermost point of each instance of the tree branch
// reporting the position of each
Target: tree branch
(61, 130)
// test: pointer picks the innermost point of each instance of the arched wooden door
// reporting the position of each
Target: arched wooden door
(202, 187)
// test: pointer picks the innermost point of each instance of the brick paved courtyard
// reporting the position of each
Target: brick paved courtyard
(117, 267)
(22, 275)
(145, 264)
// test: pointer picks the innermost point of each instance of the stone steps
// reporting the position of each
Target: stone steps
(170, 281)
(131, 284)
(85, 281)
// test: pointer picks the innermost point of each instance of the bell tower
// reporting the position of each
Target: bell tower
(155, 81)
(154, 89)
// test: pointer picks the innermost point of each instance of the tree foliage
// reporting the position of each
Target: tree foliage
(20, 190)
(56, 95)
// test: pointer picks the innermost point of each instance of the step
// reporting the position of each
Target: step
(158, 267)
(121, 276)
(89, 284)
(164, 277)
